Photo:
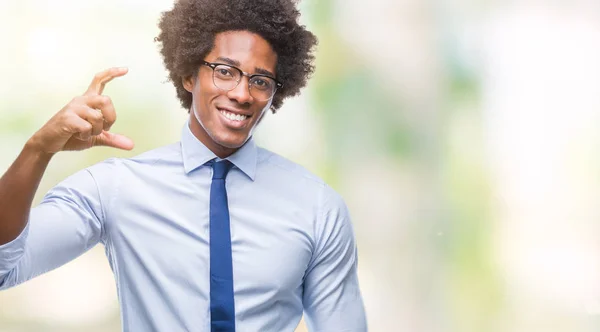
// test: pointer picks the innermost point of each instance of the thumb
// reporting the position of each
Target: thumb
(113, 140)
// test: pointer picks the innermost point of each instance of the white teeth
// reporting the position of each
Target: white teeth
(234, 117)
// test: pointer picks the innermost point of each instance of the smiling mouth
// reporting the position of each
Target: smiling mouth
(233, 116)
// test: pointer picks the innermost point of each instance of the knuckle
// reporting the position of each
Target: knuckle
(96, 115)
(105, 100)
(71, 112)
(68, 116)
(110, 116)
(65, 129)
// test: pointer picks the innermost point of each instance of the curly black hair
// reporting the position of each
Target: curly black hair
(187, 35)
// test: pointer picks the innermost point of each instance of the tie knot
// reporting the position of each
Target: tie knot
(220, 168)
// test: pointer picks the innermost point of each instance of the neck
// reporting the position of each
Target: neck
(201, 134)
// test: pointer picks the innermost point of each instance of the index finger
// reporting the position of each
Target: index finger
(103, 77)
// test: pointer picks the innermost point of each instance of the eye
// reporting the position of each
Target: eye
(263, 83)
(225, 73)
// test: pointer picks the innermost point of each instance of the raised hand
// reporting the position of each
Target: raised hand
(84, 122)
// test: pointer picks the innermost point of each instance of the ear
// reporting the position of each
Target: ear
(188, 83)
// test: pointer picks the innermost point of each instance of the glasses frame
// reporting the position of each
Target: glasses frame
(213, 66)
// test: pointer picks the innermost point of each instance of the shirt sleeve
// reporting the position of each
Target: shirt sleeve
(67, 223)
(332, 300)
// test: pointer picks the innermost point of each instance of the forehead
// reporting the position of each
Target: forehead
(249, 49)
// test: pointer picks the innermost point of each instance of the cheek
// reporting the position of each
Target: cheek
(205, 91)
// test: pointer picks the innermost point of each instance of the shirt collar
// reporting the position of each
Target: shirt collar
(196, 154)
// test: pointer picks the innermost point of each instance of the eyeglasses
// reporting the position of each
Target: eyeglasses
(227, 78)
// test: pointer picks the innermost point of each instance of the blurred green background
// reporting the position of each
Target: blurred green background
(464, 136)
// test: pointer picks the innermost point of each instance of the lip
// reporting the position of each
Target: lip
(234, 111)
(232, 124)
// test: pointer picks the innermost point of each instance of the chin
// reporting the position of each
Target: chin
(230, 145)
(231, 142)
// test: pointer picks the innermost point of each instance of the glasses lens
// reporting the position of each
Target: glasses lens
(225, 77)
(262, 87)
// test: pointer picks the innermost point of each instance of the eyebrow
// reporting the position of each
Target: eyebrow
(236, 63)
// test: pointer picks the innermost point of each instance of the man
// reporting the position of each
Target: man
(211, 233)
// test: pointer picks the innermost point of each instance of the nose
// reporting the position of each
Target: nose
(241, 93)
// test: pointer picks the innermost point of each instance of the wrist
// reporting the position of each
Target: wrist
(35, 149)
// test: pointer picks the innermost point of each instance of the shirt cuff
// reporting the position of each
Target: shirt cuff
(11, 252)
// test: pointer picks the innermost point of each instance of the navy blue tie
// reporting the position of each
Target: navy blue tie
(222, 310)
